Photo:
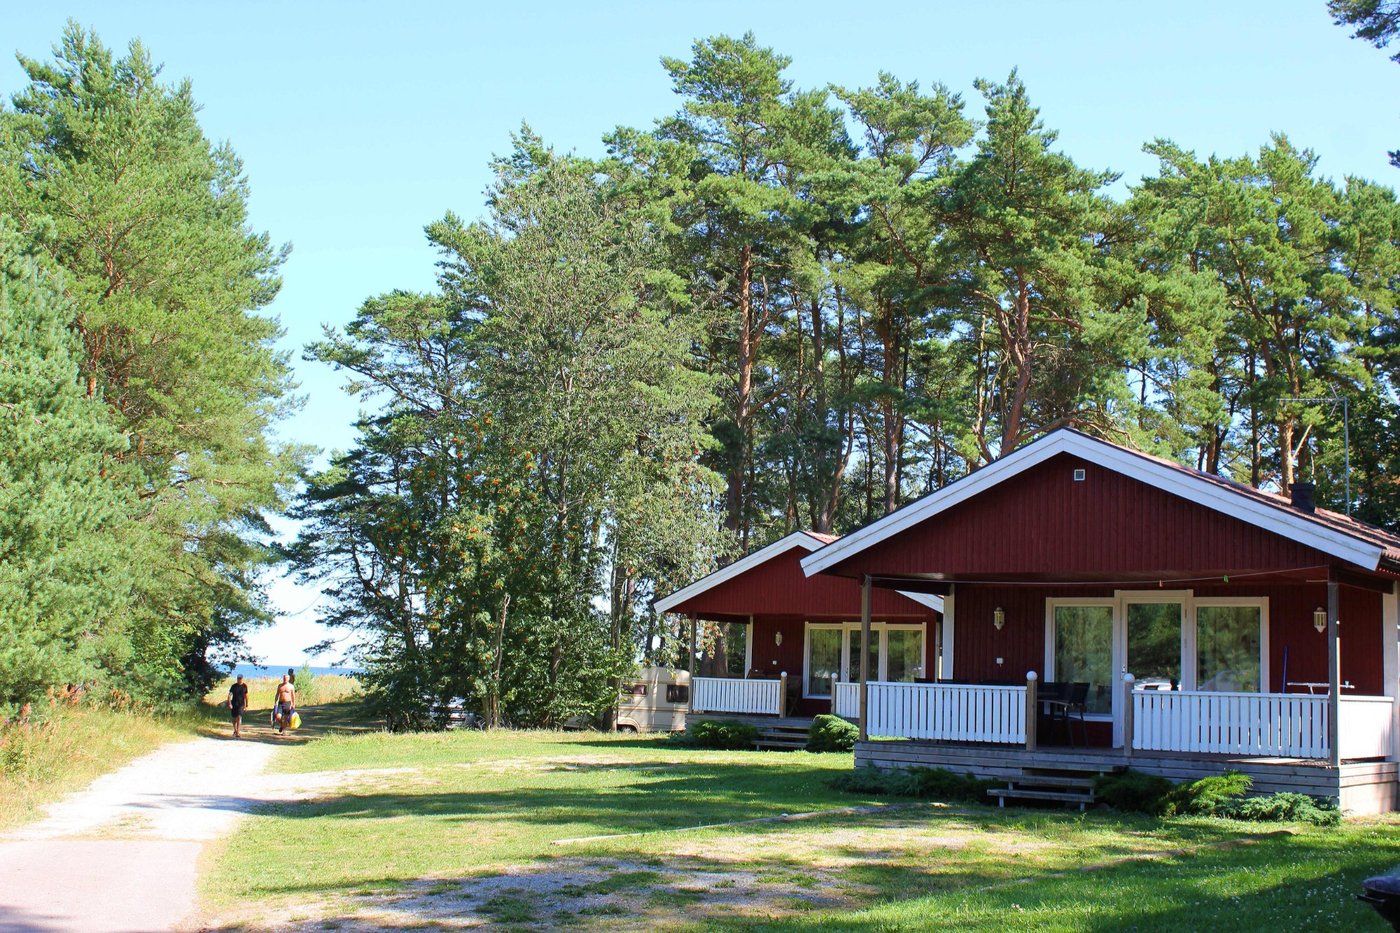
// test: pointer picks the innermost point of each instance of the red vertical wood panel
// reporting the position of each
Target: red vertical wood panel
(1043, 521)
(779, 587)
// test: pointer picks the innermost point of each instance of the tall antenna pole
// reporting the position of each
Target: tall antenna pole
(1346, 450)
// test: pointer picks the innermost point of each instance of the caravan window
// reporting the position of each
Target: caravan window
(677, 693)
(634, 690)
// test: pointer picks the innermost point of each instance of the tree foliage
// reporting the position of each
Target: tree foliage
(531, 477)
(107, 175)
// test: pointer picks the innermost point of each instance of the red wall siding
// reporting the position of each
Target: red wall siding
(779, 587)
(1043, 522)
(1021, 644)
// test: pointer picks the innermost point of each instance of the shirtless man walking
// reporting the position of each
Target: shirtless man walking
(286, 704)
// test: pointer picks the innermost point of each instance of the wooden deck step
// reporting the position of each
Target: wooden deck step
(781, 737)
(1073, 784)
(1052, 780)
(1016, 793)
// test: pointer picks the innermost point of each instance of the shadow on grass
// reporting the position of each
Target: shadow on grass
(1304, 882)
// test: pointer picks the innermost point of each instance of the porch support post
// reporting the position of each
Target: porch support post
(945, 666)
(1334, 675)
(1390, 662)
(864, 653)
(1031, 709)
(692, 647)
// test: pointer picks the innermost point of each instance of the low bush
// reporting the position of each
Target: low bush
(1217, 795)
(932, 783)
(831, 734)
(728, 734)
(1283, 807)
(1133, 791)
(1208, 795)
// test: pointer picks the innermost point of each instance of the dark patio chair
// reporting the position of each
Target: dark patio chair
(1076, 705)
(1053, 698)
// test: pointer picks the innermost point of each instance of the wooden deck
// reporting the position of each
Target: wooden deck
(1363, 787)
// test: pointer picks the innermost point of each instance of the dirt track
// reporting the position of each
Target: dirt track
(122, 855)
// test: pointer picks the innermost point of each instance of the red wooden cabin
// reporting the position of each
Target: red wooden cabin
(803, 633)
(1212, 625)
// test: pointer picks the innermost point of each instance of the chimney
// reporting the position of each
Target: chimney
(1303, 499)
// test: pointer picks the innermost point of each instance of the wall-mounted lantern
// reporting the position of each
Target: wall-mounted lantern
(999, 618)
(777, 638)
(1320, 619)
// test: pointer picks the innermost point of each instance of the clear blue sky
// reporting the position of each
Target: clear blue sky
(359, 123)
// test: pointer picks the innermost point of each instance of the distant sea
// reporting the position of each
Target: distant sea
(251, 671)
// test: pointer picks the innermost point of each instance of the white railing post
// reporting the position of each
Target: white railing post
(1129, 723)
(1031, 718)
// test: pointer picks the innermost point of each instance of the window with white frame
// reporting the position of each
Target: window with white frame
(1168, 640)
(1230, 647)
(896, 654)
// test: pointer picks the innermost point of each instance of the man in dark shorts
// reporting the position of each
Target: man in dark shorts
(286, 704)
(237, 703)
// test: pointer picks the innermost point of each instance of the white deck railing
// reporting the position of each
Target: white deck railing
(952, 712)
(1284, 725)
(1367, 726)
(846, 700)
(735, 695)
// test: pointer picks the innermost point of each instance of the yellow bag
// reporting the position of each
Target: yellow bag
(296, 720)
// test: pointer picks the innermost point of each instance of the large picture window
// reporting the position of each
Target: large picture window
(823, 659)
(1084, 651)
(1229, 648)
(896, 653)
(1155, 644)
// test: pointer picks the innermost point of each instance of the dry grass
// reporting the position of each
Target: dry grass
(314, 690)
(64, 747)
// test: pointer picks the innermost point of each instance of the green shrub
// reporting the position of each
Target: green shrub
(1209, 795)
(722, 734)
(932, 783)
(831, 734)
(1133, 791)
(1283, 808)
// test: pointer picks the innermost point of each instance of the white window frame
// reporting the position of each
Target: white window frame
(850, 670)
(1115, 646)
(1262, 603)
(1119, 602)
(1187, 648)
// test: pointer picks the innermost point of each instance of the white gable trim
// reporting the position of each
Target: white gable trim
(1262, 515)
(762, 555)
(796, 539)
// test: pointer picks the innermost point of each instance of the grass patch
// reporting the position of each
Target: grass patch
(474, 804)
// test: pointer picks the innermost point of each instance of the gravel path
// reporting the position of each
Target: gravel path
(122, 855)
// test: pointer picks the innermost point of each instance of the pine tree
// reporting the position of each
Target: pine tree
(64, 584)
(107, 173)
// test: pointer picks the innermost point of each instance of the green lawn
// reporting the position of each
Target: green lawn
(438, 829)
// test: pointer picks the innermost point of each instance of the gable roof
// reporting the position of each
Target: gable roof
(806, 540)
(1336, 535)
